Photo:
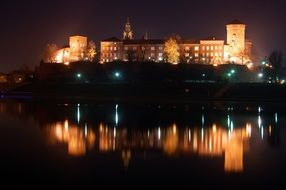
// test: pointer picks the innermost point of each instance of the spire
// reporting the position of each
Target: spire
(128, 33)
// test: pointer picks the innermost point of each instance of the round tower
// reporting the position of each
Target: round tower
(236, 36)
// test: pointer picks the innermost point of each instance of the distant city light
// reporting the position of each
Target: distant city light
(232, 71)
(260, 75)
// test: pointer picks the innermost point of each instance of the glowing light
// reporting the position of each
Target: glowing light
(78, 75)
(260, 75)
(159, 133)
(214, 128)
(189, 135)
(67, 63)
(85, 130)
(259, 121)
(174, 129)
(270, 130)
(248, 129)
(262, 133)
(203, 119)
(78, 113)
(276, 118)
(117, 74)
(116, 115)
(114, 132)
(66, 125)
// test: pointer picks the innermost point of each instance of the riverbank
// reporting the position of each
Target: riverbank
(179, 92)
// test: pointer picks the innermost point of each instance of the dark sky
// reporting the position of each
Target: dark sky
(26, 26)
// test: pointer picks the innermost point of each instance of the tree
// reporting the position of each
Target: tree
(276, 60)
(172, 50)
(50, 53)
(91, 51)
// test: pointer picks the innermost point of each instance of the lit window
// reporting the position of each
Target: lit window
(152, 55)
(160, 54)
(187, 55)
(103, 48)
(111, 48)
(196, 48)
(204, 54)
(208, 47)
(212, 54)
(160, 48)
(212, 48)
(115, 48)
(107, 48)
(196, 55)
(187, 48)
(208, 54)
(114, 54)
(203, 48)
(216, 54)
(220, 54)
(153, 48)
(220, 48)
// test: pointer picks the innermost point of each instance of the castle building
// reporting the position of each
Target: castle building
(236, 49)
(74, 52)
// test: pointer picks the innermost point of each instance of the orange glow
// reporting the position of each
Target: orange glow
(73, 136)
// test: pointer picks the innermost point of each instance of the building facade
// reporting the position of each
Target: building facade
(236, 48)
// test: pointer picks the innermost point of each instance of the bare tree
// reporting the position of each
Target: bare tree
(50, 53)
(276, 60)
(91, 51)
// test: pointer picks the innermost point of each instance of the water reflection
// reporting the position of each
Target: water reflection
(225, 136)
(214, 141)
(77, 139)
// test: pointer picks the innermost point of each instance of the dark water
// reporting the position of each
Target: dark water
(189, 145)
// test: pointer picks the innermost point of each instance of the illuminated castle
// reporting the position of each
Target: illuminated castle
(76, 51)
(206, 51)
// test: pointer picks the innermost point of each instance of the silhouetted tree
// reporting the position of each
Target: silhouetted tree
(276, 60)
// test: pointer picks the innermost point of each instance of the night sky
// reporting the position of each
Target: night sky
(27, 26)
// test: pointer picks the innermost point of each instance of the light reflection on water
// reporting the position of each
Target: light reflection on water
(215, 133)
(214, 141)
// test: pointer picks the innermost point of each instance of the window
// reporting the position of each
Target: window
(216, 54)
(220, 54)
(115, 48)
(196, 55)
(103, 48)
(111, 48)
(187, 48)
(160, 48)
(187, 55)
(212, 54)
(208, 48)
(215, 47)
(152, 55)
(203, 48)
(196, 48)
(204, 54)
(160, 54)
(208, 54)
(220, 48)
(212, 48)
(125, 48)
(153, 48)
